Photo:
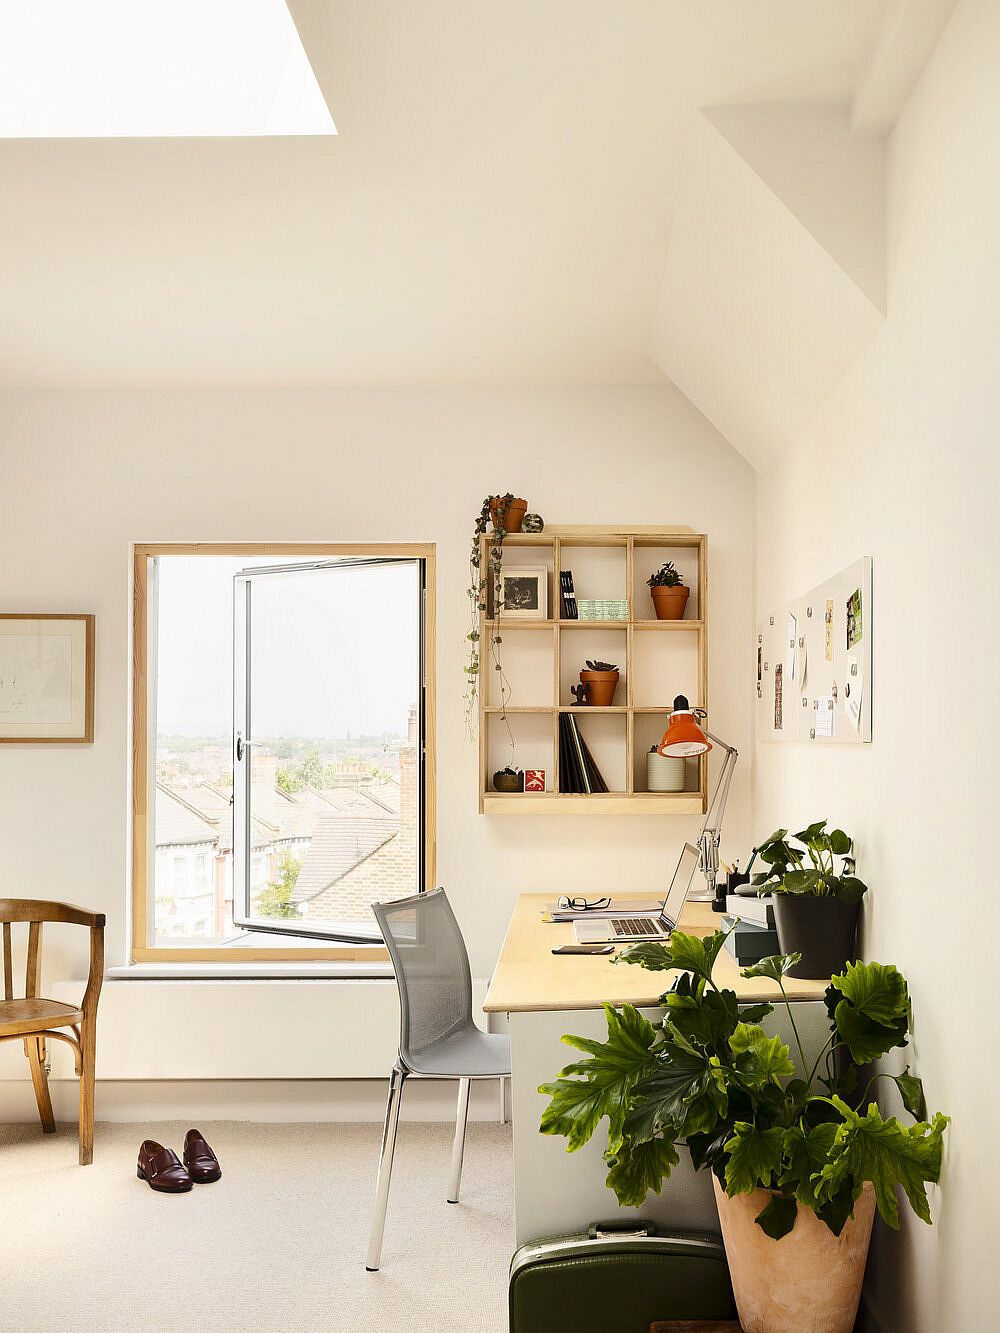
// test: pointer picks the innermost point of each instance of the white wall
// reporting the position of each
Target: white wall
(87, 472)
(902, 464)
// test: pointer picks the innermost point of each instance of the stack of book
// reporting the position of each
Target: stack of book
(577, 770)
(751, 925)
(569, 607)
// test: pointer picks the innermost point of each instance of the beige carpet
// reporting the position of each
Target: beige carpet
(278, 1243)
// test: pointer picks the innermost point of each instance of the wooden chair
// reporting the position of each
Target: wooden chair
(34, 1020)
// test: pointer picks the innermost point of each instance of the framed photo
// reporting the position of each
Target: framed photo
(525, 592)
(46, 679)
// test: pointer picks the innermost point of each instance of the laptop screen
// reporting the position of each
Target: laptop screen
(687, 864)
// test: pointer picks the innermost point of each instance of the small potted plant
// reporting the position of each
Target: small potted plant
(800, 1158)
(816, 909)
(508, 779)
(507, 512)
(669, 592)
(601, 679)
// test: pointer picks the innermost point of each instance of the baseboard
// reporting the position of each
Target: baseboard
(269, 1100)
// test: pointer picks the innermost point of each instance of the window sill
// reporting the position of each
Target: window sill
(256, 971)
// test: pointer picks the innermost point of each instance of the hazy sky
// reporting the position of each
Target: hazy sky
(333, 650)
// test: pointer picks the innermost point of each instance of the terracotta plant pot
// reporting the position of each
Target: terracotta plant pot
(822, 930)
(516, 511)
(808, 1280)
(508, 782)
(601, 687)
(670, 602)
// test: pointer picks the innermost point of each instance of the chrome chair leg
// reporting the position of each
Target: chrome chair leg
(396, 1081)
(458, 1151)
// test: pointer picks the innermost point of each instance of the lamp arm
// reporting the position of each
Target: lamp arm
(711, 829)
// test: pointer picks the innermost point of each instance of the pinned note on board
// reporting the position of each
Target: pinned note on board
(818, 648)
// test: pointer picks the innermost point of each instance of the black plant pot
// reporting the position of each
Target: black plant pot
(822, 930)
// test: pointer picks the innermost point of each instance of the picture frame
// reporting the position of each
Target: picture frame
(46, 678)
(525, 592)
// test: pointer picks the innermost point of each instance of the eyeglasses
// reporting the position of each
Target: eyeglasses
(582, 904)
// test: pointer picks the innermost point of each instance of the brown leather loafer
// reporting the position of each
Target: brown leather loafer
(201, 1162)
(162, 1169)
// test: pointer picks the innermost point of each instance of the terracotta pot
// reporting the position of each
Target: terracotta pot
(508, 782)
(516, 511)
(601, 686)
(822, 930)
(670, 602)
(809, 1281)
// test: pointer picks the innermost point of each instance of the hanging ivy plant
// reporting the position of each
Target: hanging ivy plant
(486, 586)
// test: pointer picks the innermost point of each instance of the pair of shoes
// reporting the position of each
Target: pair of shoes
(163, 1170)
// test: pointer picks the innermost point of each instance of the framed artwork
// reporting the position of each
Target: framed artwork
(525, 592)
(46, 679)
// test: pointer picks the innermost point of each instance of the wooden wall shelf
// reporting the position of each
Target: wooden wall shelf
(658, 660)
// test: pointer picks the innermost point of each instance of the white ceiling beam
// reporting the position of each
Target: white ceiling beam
(907, 35)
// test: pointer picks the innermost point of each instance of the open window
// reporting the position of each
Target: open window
(325, 651)
(283, 748)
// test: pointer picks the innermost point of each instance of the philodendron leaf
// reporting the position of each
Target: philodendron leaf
(754, 1157)
(778, 1217)
(866, 1039)
(760, 1058)
(806, 1152)
(707, 1018)
(912, 1092)
(877, 989)
(653, 956)
(681, 1082)
(807, 835)
(774, 966)
(882, 1151)
(588, 1090)
(840, 842)
(873, 1015)
(754, 1013)
(849, 889)
(637, 1168)
(800, 881)
(689, 953)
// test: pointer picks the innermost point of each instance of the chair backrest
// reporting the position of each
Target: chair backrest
(432, 970)
(35, 911)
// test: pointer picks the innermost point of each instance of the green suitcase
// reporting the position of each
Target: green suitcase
(618, 1278)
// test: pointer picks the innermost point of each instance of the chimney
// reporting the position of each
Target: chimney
(411, 727)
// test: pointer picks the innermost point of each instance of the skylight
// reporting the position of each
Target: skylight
(155, 68)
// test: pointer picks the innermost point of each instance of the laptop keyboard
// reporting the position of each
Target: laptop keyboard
(631, 926)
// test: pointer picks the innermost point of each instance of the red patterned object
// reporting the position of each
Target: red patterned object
(534, 779)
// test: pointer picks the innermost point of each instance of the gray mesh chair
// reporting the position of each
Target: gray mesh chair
(437, 1037)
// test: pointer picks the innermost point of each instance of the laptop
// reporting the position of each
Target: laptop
(632, 929)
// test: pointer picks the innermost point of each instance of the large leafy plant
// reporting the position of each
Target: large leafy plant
(810, 870)
(708, 1073)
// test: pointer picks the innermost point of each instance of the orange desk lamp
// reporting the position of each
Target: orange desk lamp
(683, 739)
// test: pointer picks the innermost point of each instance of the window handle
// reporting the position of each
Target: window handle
(242, 745)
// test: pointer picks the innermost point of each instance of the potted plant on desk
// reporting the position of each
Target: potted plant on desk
(816, 909)
(799, 1163)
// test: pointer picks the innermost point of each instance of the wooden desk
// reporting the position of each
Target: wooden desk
(528, 978)
(556, 1193)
